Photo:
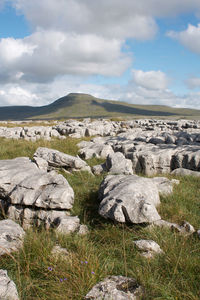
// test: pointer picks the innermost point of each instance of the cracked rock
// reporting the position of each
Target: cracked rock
(129, 198)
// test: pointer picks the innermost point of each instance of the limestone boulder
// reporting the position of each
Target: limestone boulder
(129, 198)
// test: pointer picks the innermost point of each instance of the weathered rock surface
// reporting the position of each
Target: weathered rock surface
(8, 290)
(55, 158)
(116, 287)
(22, 183)
(68, 225)
(33, 196)
(116, 163)
(129, 199)
(164, 185)
(148, 248)
(11, 237)
(185, 172)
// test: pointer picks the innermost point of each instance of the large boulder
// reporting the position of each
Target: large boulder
(8, 290)
(33, 196)
(22, 183)
(129, 199)
(116, 287)
(59, 159)
(11, 237)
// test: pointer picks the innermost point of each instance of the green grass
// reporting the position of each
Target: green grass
(108, 248)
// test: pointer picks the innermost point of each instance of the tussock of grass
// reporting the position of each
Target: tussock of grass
(108, 249)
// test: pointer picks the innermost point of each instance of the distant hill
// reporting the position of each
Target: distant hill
(76, 105)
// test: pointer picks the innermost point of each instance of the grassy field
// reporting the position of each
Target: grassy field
(108, 249)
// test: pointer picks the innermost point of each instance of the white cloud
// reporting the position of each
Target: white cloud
(193, 82)
(190, 37)
(46, 54)
(113, 18)
(153, 80)
(110, 18)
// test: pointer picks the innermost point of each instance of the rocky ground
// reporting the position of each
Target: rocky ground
(34, 193)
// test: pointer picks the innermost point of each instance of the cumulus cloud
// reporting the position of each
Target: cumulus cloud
(190, 37)
(46, 54)
(153, 80)
(113, 18)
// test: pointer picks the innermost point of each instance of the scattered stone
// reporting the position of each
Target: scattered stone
(11, 237)
(68, 225)
(58, 251)
(8, 290)
(116, 287)
(148, 247)
(129, 198)
(83, 230)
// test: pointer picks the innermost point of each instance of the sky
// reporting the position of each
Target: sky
(141, 52)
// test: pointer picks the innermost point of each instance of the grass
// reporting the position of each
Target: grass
(108, 249)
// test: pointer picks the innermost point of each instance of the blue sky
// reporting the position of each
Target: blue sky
(145, 51)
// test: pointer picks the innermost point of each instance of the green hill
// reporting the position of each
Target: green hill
(76, 105)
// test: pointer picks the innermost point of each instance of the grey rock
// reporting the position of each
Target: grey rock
(156, 140)
(8, 290)
(148, 247)
(29, 216)
(43, 190)
(164, 185)
(58, 251)
(184, 229)
(129, 199)
(152, 159)
(83, 230)
(11, 237)
(68, 225)
(185, 172)
(41, 163)
(58, 159)
(116, 287)
(99, 169)
(98, 150)
(116, 163)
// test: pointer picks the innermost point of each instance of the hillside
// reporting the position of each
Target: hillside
(76, 105)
